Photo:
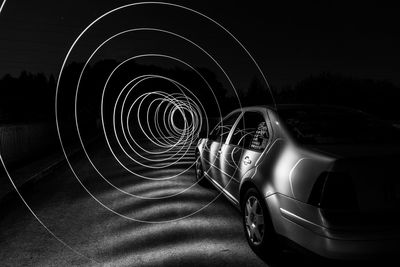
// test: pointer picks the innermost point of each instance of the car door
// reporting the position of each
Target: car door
(226, 163)
(214, 144)
(248, 140)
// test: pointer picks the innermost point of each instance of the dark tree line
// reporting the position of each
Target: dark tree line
(377, 97)
(373, 96)
(26, 98)
(30, 97)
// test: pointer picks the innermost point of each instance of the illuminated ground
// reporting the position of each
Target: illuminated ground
(211, 237)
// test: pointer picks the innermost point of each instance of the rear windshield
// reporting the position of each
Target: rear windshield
(337, 126)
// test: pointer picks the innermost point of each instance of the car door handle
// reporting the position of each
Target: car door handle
(247, 160)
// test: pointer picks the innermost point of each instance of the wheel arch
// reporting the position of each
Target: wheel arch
(246, 185)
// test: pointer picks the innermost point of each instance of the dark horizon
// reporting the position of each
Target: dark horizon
(374, 96)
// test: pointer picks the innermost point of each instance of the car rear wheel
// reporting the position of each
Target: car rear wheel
(258, 227)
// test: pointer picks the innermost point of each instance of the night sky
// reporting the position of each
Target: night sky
(290, 42)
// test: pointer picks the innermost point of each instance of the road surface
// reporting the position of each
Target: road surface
(97, 235)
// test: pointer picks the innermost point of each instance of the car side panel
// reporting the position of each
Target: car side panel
(247, 162)
(211, 159)
(229, 157)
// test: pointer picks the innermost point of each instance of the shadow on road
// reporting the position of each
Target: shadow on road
(125, 225)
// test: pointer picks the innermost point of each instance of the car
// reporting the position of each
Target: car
(324, 178)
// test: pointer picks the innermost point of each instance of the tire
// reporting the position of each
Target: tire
(258, 227)
(200, 178)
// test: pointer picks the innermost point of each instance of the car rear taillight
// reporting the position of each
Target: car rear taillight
(334, 191)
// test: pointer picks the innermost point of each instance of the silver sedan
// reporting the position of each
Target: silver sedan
(322, 177)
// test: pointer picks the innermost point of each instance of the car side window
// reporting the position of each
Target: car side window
(221, 131)
(251, 132)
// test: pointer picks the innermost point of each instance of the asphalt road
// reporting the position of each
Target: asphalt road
(93, 235)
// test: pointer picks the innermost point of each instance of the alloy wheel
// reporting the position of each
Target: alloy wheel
(254, 220)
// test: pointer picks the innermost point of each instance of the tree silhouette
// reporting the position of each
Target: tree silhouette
(376, 97)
